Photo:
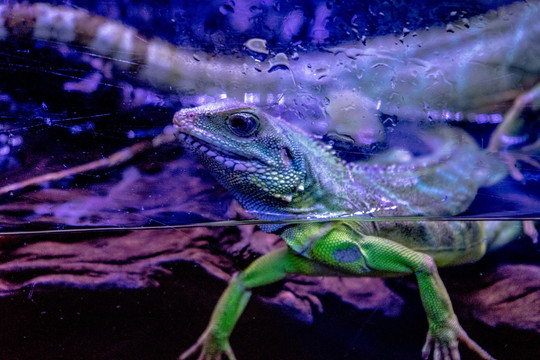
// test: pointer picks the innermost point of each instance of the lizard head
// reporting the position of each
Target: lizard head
(254, 155)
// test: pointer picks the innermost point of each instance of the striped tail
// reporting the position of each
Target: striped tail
(154, 60)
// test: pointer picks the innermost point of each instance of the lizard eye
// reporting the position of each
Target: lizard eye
(243, 124)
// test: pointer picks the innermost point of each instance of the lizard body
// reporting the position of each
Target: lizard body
(276, 171)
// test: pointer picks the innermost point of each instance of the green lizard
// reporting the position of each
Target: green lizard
(277, 171)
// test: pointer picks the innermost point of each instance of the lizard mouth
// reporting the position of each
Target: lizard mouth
(205, 147)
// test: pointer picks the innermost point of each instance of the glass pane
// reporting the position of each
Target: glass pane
(391, 110)
(370, 80)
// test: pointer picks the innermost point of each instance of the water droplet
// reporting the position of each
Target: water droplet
(257, 45)
(321, 73)
(280, 61)
(363, 40)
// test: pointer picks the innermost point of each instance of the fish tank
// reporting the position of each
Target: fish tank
(150, 151)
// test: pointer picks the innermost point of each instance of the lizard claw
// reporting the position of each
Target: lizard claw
(512, 132)
(443, 349)
(209, 347)
(512, 160)
(443, 343)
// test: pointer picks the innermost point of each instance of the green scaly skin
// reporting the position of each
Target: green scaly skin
(277, 171)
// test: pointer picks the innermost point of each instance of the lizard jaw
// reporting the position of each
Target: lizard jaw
(236, 163)
(230, 160)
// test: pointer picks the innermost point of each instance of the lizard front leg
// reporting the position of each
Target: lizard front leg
(352, 253)
(511, 133)
(444, 329)
(214, 341)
